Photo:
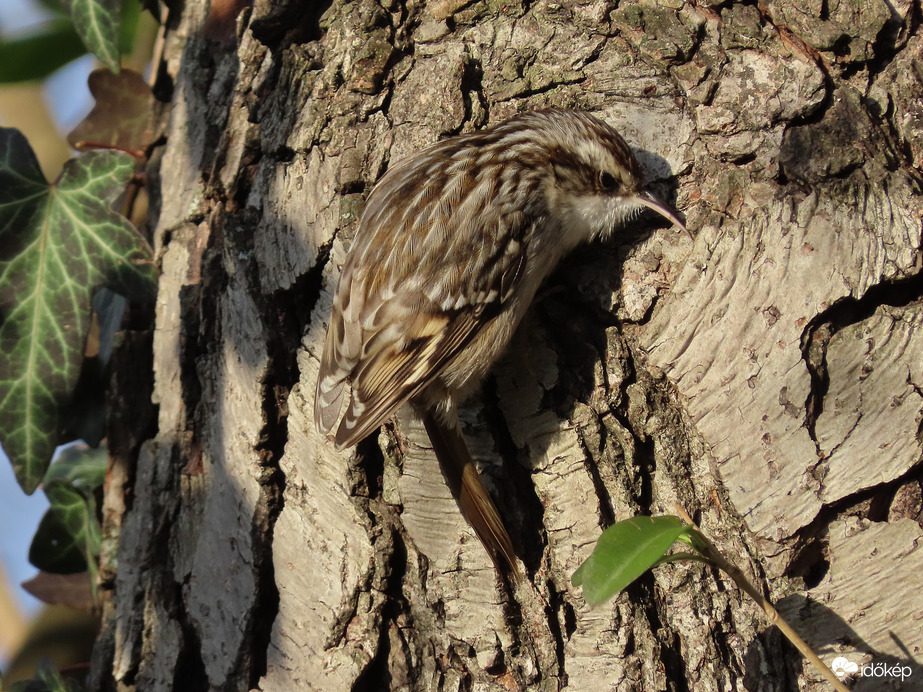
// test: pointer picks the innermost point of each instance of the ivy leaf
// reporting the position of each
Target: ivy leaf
(57, 243)
(128, 24)
(122, 116)
(55, 549)
(97, 24)
(38, 55)
(47, 679)
(56, 42)
(623, 553)
(81, 467)
(68, 538)
(71, 590)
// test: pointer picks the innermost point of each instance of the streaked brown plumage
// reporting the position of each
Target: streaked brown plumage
(451, 247)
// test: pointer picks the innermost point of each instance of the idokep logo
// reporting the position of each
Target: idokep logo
(842, 667)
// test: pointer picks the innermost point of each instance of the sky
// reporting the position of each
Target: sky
(19, 517)
(70, 100)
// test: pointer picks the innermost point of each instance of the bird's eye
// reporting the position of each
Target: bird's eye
(608, 181)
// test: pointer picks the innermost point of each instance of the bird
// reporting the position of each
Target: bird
(450, 249)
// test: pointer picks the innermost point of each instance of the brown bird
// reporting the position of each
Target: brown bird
(451, 247)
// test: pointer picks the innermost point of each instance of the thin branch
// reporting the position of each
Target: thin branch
(717, 559)
(159, 44)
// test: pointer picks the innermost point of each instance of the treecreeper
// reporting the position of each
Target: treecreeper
(451, 248)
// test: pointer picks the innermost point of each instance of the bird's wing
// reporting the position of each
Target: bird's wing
(405, 306)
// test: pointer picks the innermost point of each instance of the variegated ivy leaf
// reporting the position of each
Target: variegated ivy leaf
(97, 25)
(57, 244)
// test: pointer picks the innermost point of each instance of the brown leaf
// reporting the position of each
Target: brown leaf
(122, 116)
(72, 590)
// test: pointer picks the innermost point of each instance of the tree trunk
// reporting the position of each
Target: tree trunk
(766, 377)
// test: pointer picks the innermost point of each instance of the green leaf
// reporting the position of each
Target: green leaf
(69, 529)
(128, 29)
(696, 541)
(57, 243)
(81, 467)
(54, 549)
(77, 512)
(38, 55)
(624, 552)
(47, 679)
(56, 43)
(97, 24)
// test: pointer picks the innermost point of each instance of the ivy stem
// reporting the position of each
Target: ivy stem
(711, 553)
(85, 145)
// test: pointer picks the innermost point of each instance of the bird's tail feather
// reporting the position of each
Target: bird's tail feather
(473, 499)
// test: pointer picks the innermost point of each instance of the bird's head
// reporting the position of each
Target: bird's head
(594, 183)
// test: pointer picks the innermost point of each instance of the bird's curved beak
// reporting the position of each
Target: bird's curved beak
(652, 201)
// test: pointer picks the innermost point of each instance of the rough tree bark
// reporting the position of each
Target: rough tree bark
(766, 377)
